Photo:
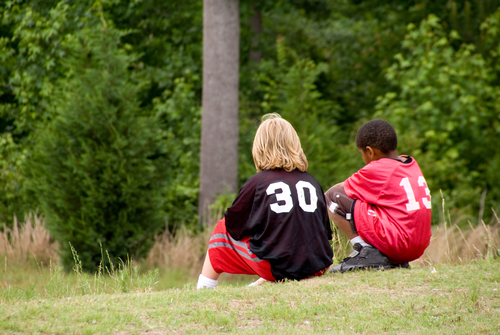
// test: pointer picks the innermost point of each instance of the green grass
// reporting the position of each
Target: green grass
(462, 299)
(29, 279)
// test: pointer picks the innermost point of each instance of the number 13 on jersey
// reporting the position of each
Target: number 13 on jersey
(413, 204)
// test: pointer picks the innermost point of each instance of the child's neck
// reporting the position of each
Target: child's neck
(393, 155)
(378, 154)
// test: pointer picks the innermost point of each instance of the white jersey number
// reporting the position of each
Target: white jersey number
(286, 196)
(423, 183)
(301, 186)
(413, 204)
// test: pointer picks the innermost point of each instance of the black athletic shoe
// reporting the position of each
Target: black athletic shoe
(405, 265)
(364, 258)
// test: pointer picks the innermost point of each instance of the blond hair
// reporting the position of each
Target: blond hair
(277, 146)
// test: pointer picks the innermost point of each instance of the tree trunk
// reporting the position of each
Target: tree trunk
(219, 127)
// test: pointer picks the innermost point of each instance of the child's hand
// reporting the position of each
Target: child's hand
(258, 282)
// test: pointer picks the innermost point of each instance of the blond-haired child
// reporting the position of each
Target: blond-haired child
(278, 226)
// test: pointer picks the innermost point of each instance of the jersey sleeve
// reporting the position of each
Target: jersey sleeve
(237, 216)
(368, 184)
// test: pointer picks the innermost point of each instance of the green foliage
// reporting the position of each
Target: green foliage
(179, 116)
(12, 157)
(288, 86)
(167, 40)
(352, 39)
(31, 54)
(218, 208)
(98, 168)
(446, 111)
(352, 45)
(30, 50)
(324, 63)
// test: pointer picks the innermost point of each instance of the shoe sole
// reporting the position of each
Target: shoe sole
(378, 267)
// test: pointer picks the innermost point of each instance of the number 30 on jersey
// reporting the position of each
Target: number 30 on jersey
(286, 196)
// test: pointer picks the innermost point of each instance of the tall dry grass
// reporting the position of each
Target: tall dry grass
(28, 240)
(184, 250)
(450, 244)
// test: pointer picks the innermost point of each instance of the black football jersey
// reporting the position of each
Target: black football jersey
(285, 215)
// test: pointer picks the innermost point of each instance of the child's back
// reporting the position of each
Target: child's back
(393, 207)
(285, 215)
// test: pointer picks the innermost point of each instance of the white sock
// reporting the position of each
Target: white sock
(359, 240)
(205, 282)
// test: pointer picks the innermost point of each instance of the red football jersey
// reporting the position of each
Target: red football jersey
(393, 207)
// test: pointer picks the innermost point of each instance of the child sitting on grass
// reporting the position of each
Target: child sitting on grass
(384, 208)
(277, 227)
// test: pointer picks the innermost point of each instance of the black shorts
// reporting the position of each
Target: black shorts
(341, 205)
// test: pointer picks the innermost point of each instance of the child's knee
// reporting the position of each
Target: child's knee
(338, 202)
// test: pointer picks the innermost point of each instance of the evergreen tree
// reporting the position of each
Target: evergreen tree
(99, 167)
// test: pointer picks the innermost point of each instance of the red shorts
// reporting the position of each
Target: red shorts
(231, 256)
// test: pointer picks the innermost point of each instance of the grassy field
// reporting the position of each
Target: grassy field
(453, 288)
(449, 299)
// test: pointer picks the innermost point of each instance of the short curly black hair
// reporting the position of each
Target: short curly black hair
(377, 134)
